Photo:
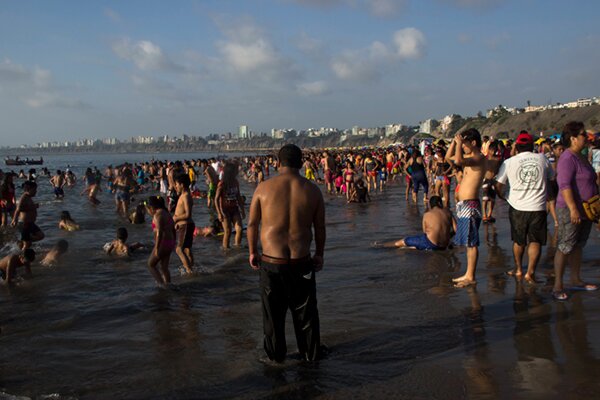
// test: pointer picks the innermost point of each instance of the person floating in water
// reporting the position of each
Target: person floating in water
(438, 229)
(10, 263)
(55, 254)
(119, 246)
(67, 223)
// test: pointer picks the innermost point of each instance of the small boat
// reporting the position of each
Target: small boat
(13, 161)
(34, 162)
(20, 161)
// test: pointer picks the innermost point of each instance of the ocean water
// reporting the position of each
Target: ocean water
(98, 327)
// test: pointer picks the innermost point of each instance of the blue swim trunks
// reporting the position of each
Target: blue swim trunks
(421, 242)
(468, 215)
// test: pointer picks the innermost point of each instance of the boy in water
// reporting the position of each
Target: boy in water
(488, 187)
(53, 256)
(438, 228)
(465, 152)
(26, 211)
(120, 247)
(184, 224)
(58, 182)
(10, 263)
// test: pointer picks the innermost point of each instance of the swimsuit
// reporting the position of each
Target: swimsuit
(421, 242)
(468, 213)
(289, 283)
(185, 235)
(29, 229)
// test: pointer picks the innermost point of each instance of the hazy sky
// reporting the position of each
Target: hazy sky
(79, 69)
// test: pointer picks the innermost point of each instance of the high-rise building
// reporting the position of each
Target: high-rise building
(244, 132)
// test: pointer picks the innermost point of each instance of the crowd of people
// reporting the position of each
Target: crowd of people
(558, 176)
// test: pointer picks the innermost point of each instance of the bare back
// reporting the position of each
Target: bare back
(288, 206)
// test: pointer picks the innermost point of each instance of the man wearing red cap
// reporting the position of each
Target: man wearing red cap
(528, 174)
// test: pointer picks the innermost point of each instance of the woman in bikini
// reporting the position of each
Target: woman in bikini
(164, 240)
(349, 179)
(230, 205)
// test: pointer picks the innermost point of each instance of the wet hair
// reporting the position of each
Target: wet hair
(156, 202)
(472, 134)
(122, 234)
(29, 254)
(571, 129)
(58, 172)
(230, 171)
(62, 246)
(65, 216)
(184, 179)
(436, 201)
(290, 155)
(29, 185)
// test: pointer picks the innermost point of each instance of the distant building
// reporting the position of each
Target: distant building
(392, 129)
(428, 125)
(244, 132)
(584, 102)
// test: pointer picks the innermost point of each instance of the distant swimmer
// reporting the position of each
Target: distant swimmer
(10, 263)
(438, 229)
(55, 254)
(288, 208)
(67, 223)
(119, 246)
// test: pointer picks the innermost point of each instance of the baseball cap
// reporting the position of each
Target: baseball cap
(524, 138)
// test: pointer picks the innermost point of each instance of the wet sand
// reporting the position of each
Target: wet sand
(395, 327)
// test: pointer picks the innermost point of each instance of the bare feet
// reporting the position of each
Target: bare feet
(463, 281)
(530, 279)
(517, 273)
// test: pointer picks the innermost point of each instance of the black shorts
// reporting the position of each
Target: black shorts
(528, 226)
(185, 235)
(552, 190)
(29, 229)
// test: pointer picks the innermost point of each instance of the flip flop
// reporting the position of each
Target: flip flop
(560, 295)
(586, 287)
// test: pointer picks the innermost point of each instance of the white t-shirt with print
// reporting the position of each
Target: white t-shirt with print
(527, 174)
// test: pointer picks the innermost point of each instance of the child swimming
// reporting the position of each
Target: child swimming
(10, 263)
(53, 256)
(67, 223)
(138, 215)
(119, 246)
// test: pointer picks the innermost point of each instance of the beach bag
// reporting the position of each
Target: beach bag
(592, 208)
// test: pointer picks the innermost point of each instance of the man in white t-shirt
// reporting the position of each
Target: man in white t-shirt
(527, 174)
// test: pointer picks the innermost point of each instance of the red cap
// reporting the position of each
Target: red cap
(524, 138)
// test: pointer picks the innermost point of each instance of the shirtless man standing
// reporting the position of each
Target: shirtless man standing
(438, 228)
(184, 224)
(26, 211)
(488, 188)
(288, 207)
(329, 171)
(58, 182)
(465, 152)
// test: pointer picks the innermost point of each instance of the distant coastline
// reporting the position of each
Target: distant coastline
(542, 123)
